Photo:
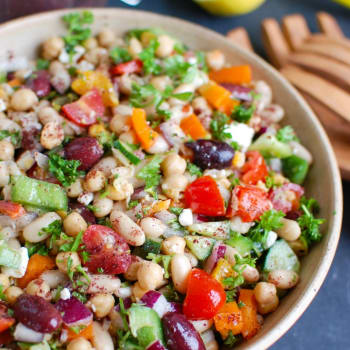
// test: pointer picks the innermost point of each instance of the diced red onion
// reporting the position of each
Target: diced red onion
(166, 217)
(218, 252)
(155, 301)
(172, 133)
(156, 345)
(175, 307)
(42, 160)
(127, 304)
(25, 334)
(74, 312)
(139, 193)
(238, 91)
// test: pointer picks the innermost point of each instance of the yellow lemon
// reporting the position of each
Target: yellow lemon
(343, 2)
(229, 7)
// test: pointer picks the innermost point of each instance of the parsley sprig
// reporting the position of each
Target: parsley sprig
(242, 113)
(150, 173)
(14, 136)
(193, 169)
(120, 55)
(286, 134)
(218, 128)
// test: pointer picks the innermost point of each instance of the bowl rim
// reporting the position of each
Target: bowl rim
(288, 320)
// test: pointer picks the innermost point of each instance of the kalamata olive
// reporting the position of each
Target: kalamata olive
(85, 212)
(85, 149)
(239, 92)
(36, 313)
(39, 82)
(180, 333)
(210, 154)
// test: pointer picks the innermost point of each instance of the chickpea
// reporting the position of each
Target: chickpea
(270, 307)
(173, 164)
(4, 281)
(94, 181)
(23, 100)
(173, 185)
(103, 206)
(102, 303)
(215, 59)
(127, 137)
(7, 151)
(265, 292)
(75, 189)
(4, 174)
(90, 43)
(106, 37)
(121, 189)
(173, 245)
(96, 56)
(230, 254)
(118, 124)
(63, 258)
(152, 227)
(250, 274)
(150, 275)
(159, 145)
(52, 135)
(74, 223)
(161, 82)
(138, 292)
(52, 48)
(283, 279)
(290, 231)
(191, 258)
(49, 114)
(135, 47)
(200, 104)
(166, 46)
(12, 293)
(79, 344)
(40, 288)
(131, 273)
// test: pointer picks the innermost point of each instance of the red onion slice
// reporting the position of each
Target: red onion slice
(239, 92)
(218, 252)
(25, 334)
(74, 312)
(156, 345)
(172, 133)
(156, 301)
(175, 307)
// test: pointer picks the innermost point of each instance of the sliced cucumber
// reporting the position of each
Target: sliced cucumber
(281, 257)
(270, 147)
(243, 244)
(201, 247)
(217, 230)
(126, 152)
(145, 324)
(150, 246)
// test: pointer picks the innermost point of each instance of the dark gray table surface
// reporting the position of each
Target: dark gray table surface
(325, 324)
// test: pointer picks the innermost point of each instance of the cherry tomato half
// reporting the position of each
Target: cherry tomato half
(254, 169)
(134, 66)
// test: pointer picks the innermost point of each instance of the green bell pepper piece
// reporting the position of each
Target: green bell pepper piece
(295, 168)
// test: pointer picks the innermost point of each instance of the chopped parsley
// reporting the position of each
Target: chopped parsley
(77, 30)
(132, 204)
(286, 134)
(2, 295)
(242, 114)
(309, 225)
(37, 248)
(42, 64)
(176, 210)
(14, 136)
(231, 295)
(269, 180)
(81, 297)
(194, 170)
(180, 70)
(120, 55)
(218, 126)
(150, 173)
(147, 56)
(230, 340)
(54, 230)
(161, 259)
(65, 171)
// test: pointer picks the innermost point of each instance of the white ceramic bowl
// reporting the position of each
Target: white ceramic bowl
(23, 37)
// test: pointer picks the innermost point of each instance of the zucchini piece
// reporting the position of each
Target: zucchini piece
(9, 257)
(126, 151)
(201, 247)
(243, 244)
(270, 147)
(295, 168)
(38, 194)
(281, 257)
(217, 230)
(150, 246)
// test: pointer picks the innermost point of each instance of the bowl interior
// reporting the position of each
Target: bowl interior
(23, 37)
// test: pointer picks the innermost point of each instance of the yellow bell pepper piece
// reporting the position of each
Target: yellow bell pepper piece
(89, 80)
(222, 270)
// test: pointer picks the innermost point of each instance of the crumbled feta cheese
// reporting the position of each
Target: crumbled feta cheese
(2, 105)
(85, 198)
(84, 66)
(271, 239)
(186, 217)
(240, 133)
(63, 57)
(22, 268)
(125, 292)
(65, 294)
(236, 224)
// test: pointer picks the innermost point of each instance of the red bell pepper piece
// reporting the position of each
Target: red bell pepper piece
(205, 296)
(85, 111)
(203, 197)
(286, 197)
(248, 202)
(254, 169)
(13, 210)
(6, 321)
(134, 66)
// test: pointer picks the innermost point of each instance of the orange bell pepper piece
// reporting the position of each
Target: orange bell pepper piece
(36, 266)
(13, 210)
(144, 132)
(159, 206)
(91, 79)
(232, 75)
(228, 106)
(192, 126)
(85, 332)
(229, 318)
(250, 325)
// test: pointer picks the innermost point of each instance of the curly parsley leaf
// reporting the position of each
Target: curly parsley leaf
(218, 126)
(65, 171)
(54, 230)
(242, 114)
(120, 55)
(230, 340)
(309, 225)
(194, 170)
(42, 64)
(147, 56)
(286, 134)
(150, 173)
(161, 259)
(37, 248)
(14, 136)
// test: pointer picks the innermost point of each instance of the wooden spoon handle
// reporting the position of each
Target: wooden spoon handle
(325, 92)
(295, 30)
(241, 38)
(328, 25)
(325, 39)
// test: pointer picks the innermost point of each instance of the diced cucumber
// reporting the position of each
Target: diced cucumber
(243, 244)
(145, 324)
(36, 193)
(9, 257)
(295, 168)
(201, 247)
(150, 246)
(281, 257)
(270, 147)
(217, 230)
(126, 151)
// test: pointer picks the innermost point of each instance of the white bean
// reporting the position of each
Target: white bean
(101, 339)
(152, 227)
(106, 165)
(269, 307)
(159, 146)
(283, 279)
(173, 245)
(202, 325)
(265, 292)
(250, 274)
(273, 113)
(4, 174)
(265, 93)
(103, 206)
(127, 228)
(166, 46)
(290, 231)
(180, 269)
(54, 278)
(103, 284)
(33, 232)
(150, 275)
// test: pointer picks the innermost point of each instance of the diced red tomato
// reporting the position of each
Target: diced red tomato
(203, 197)
(6, 321)
(248, 202)
(134, 66)
(13, 210)
(286, 197)
(85, 111)
(6, 337)
(107, 249)
(205, 296)
(254, 169)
